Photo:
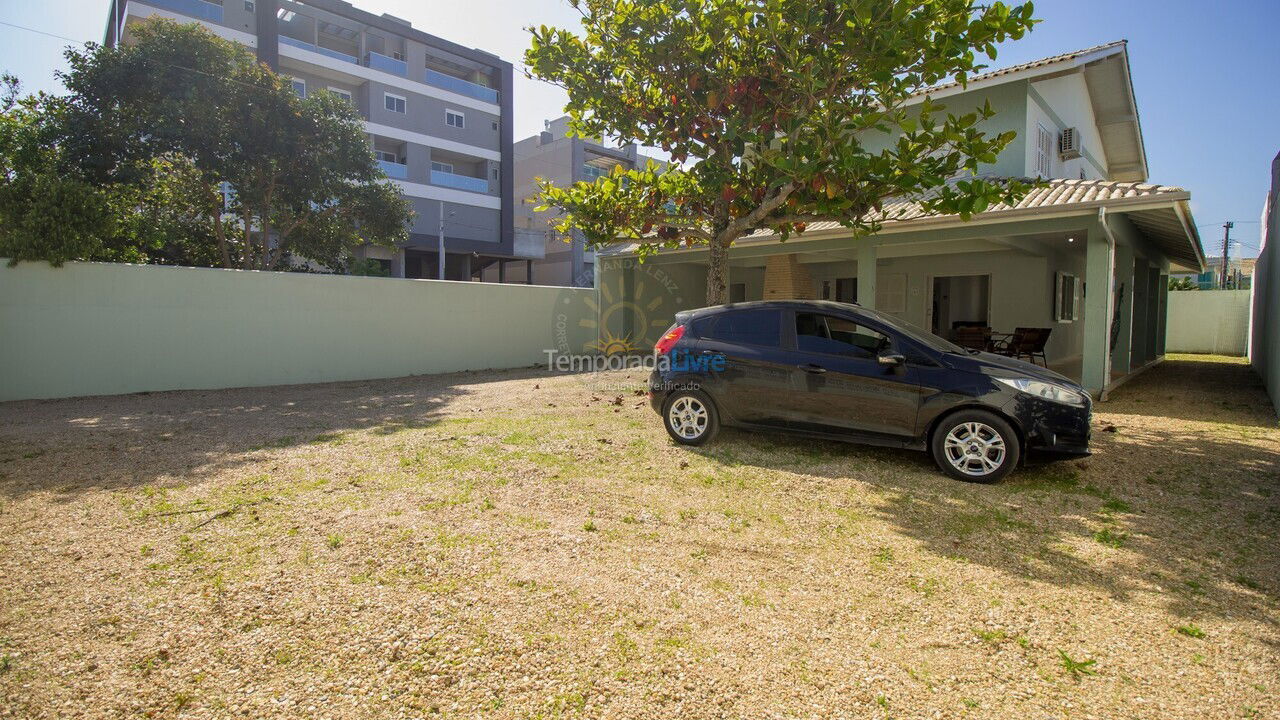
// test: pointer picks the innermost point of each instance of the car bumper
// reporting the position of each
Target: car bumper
(1052, 428)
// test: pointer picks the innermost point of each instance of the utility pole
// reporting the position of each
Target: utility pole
(442, 241)
(1226, 243)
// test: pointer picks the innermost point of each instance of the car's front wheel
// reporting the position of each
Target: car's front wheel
(975, 446)
(690, 417)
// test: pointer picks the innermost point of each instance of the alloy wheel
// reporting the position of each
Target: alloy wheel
(975, 449)
(688, 417)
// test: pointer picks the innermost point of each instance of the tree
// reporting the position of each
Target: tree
(1185, 283)
(223, 153)
(777, 113)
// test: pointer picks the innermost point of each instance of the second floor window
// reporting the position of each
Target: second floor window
(340, 93)
(300, 87)
(442, 167)
(394, 103)
(453, 118)
(1044, 148)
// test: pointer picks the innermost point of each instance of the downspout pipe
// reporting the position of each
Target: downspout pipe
(1111, 294)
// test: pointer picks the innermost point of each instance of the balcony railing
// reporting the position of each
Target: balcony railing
(192, 8)
(378, 61)
(460, 86)
(459, 182)
(317, 49)
(394, 169)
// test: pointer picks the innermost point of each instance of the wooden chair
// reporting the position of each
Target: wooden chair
(976, 338)
(1026, 342)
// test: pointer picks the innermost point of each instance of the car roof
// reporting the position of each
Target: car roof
(826, 305)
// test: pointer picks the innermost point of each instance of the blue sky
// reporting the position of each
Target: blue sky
(1205, 74)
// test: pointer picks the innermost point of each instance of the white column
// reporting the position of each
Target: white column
(867, 274)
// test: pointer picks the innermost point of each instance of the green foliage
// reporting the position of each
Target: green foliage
(1077, 668)
(1191, 630)
(1185, 283)
(776, 113)
(153, 131)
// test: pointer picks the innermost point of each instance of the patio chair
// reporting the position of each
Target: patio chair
(976, 338)
(1026, 342)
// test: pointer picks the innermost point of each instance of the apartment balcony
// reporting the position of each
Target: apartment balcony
(460, 86)
(378, 61)
(285, 39)
(198, 9)
(459, 182)
(400, 171)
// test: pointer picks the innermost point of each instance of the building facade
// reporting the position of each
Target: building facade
(438, 115)
(553, 155)
(1086, 255)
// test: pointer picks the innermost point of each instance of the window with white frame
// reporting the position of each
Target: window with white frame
(394, 103)
(344, 94)
(299, 87)
(1044, 150)
(441, 166)
(1065, 308)
(453, 118)
(386, 156)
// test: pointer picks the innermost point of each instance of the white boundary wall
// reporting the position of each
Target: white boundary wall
(1208, 321)
(100, 328)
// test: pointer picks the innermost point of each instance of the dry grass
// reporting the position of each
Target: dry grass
(516, 545)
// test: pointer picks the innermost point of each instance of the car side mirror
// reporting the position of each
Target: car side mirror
(888, 357)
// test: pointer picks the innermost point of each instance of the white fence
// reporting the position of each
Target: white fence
(97, 328)
(1208, 321)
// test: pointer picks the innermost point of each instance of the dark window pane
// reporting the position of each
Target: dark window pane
(749, 327)
(837, 336)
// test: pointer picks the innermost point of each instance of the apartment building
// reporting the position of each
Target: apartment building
(438, 115)
(553, 155)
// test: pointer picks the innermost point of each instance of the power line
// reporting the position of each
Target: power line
(43, 32)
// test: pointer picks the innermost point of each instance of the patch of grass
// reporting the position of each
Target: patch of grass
(1110, 538)
(1115, 505)
(882, 701)
(925, 586)
(971, 704)
(995, 637)
(967, 523)
(883, 556)
(7, 663)
(589, 526)
(1191, 630)
(1077, 668)
(334, 541)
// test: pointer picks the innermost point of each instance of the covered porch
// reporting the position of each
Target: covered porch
(1093, 272)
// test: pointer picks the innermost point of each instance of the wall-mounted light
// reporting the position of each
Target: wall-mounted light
(1071, 239)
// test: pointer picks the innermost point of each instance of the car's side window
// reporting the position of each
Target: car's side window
(748, 327)
(837, 336)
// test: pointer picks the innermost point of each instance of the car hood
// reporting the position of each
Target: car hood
(983, 361)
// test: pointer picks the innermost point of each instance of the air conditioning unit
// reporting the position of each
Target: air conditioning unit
(1069, 144)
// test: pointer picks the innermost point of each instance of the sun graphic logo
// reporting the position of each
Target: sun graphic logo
(625, 321)
(634, 303)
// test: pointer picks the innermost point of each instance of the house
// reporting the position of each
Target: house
(1239, 273)
(1094, 246)
(438, 115)
(554, 155)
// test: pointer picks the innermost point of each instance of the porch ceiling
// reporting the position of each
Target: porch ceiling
(1167, 229)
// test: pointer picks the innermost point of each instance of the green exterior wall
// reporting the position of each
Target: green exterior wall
(98, 329)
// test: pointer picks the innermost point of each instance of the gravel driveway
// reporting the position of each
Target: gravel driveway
(511, 544)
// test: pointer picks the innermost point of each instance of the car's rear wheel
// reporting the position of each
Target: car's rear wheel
(690, 417)
(975, 446)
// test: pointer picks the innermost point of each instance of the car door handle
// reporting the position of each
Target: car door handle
(814, 369)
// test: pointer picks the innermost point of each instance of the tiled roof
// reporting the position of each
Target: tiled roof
(1027, 66)
(1055, 194)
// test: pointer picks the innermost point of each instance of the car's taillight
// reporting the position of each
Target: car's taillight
(669, 339)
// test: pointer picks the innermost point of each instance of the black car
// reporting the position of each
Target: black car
(840, 371)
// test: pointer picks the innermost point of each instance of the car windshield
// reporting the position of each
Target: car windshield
(920, 335)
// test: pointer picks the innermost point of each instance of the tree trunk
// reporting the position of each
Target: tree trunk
(718, 272)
